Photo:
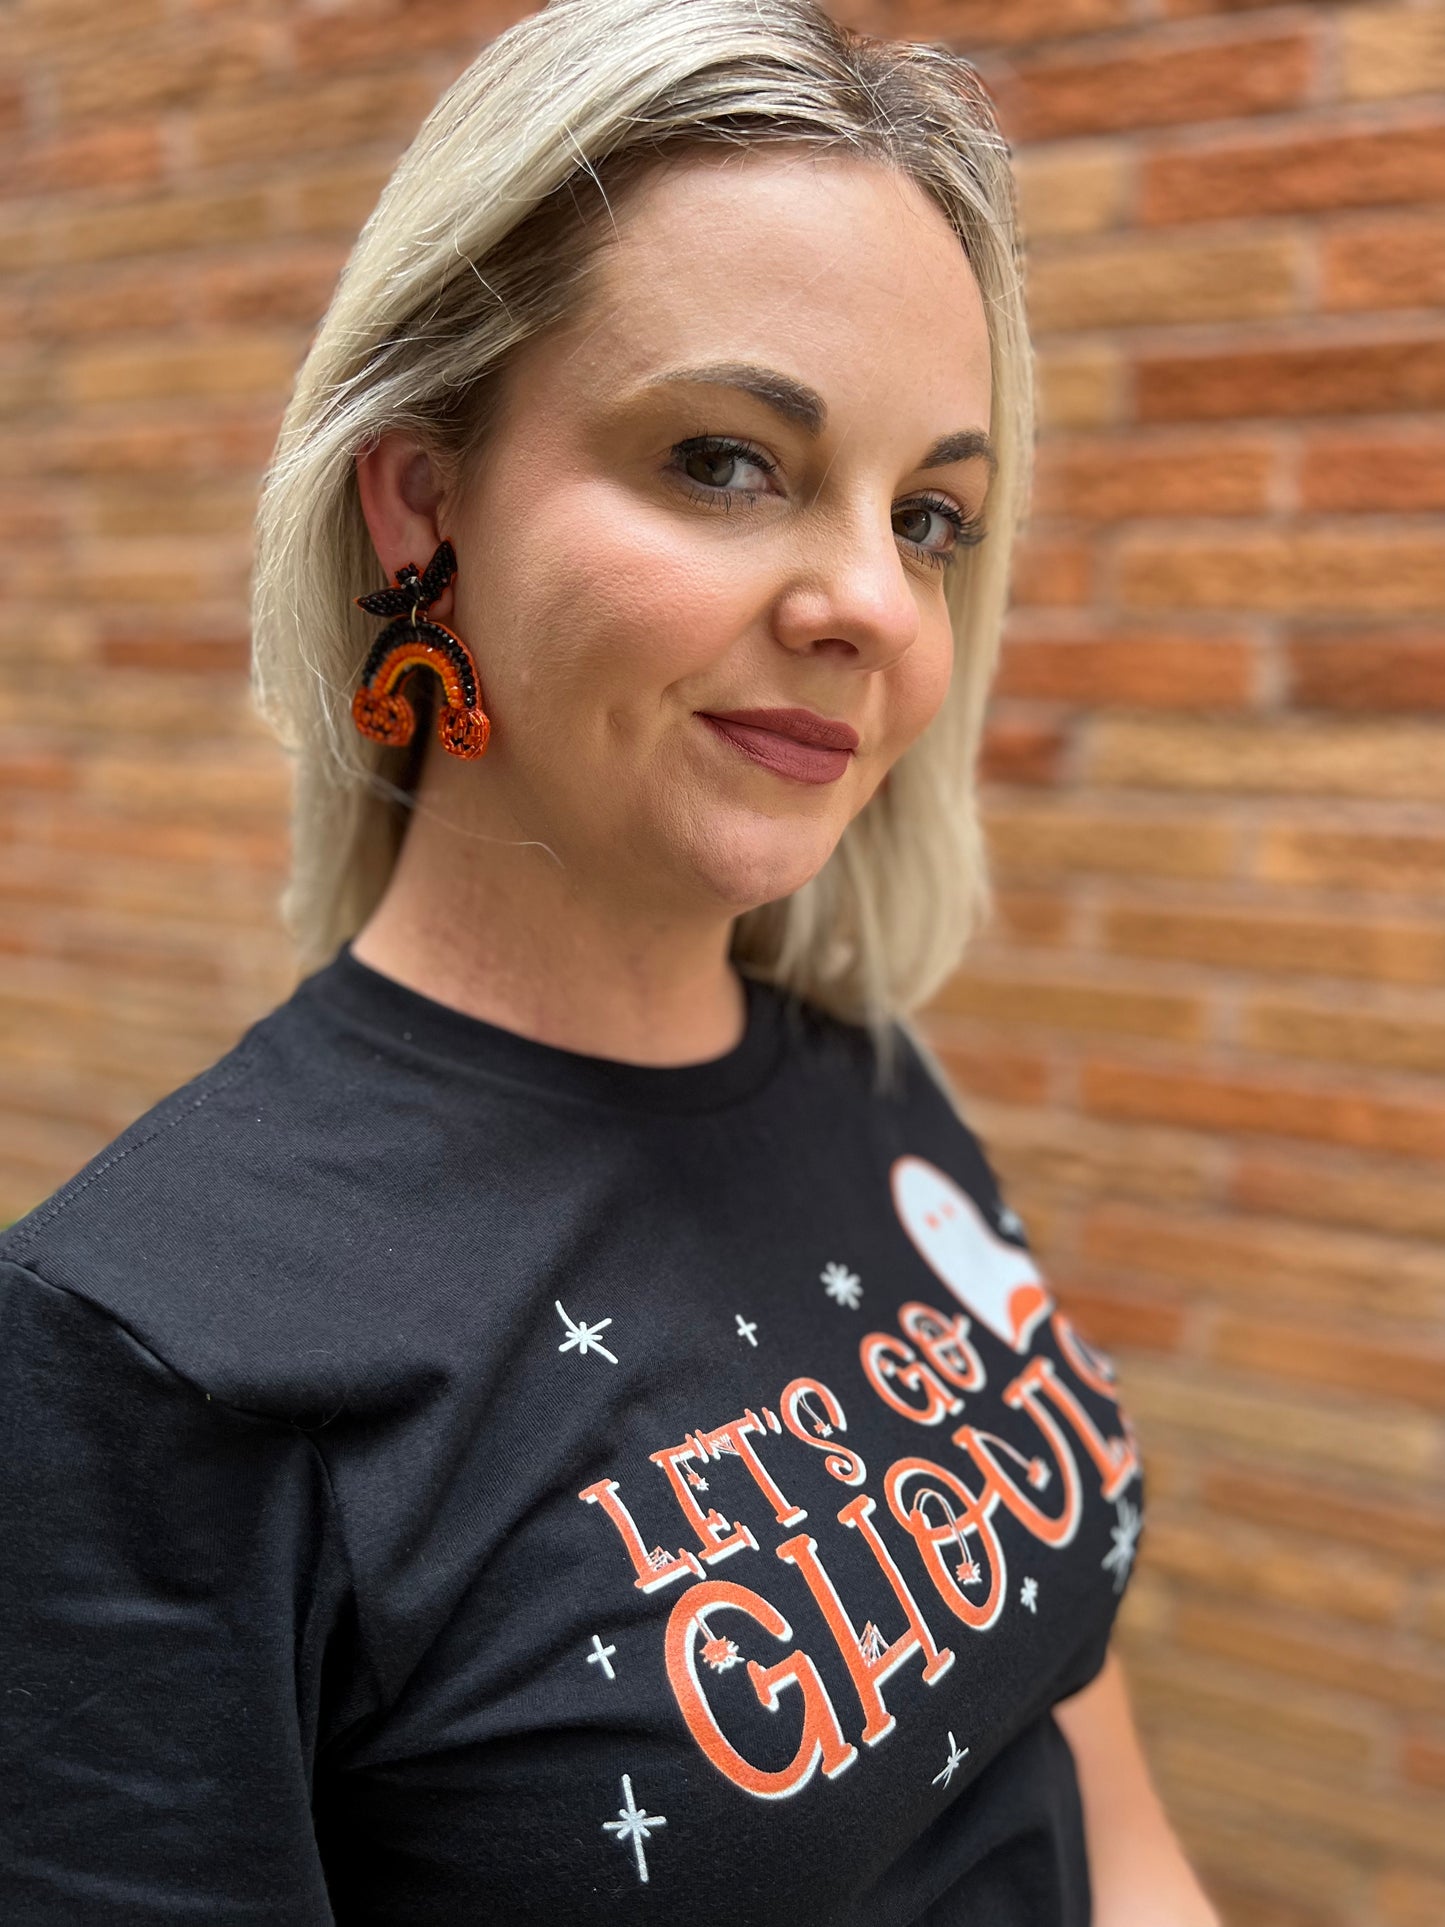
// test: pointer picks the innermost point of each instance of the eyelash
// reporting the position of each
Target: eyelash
(968, 530)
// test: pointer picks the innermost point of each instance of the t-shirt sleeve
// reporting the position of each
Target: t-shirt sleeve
(1086, 1666)
(171, 1580)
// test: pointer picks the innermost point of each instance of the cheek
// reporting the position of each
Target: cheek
(610, 602)
(921, 684)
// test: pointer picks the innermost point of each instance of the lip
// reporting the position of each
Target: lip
(784, 755)
(802, 725)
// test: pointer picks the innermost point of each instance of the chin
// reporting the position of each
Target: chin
(758, 861)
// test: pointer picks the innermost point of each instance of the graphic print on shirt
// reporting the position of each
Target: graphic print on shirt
(998, 1284)
(633, 1824)
(947, 1502)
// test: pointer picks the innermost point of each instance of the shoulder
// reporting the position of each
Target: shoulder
(195, 1229)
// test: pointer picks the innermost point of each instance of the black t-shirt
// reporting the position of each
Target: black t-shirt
(449, 1478)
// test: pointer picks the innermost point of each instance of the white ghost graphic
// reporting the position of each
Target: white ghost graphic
(995, 1282)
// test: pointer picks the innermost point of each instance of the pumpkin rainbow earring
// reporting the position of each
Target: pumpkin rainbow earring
(378, 708)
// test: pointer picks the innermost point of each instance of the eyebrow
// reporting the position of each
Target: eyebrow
(798, 403)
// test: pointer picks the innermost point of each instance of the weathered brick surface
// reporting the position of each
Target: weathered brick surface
(1373, 469)
(1304, 166)
(1203, 1041)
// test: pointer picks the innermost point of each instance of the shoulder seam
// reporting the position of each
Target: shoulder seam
(239, 1411)
(27, 1234)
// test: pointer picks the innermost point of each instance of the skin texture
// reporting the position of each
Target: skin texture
(578, 882)
(1138, 1872)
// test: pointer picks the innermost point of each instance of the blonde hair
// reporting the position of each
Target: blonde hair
(484, 236)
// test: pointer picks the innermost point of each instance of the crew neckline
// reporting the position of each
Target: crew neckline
(385, 1007)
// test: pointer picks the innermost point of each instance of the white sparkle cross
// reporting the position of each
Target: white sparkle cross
(632, 1824)
(1029, 1594)
(584, 1337)
(954, 1761)
(747, 1330)
(1125, 1534)
(601, 1656)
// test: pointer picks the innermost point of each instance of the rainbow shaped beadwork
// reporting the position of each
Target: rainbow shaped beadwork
(411, 640)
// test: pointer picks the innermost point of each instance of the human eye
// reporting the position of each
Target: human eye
(968, 530)
(716, 453)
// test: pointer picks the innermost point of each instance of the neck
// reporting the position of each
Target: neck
(493, 924)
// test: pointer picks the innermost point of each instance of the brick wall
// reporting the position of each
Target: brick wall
(1205, 1041)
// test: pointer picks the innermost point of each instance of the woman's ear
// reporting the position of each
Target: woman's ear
(401, 489)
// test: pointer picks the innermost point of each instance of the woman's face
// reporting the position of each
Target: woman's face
(642, 547)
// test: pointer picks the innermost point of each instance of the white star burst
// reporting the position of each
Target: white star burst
(1125, 1536)
(584, 1337)
(841, 1285)
(632, 1824)
(1029, 1594)
(956, 1757)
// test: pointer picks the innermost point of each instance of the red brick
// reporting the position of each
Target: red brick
(102, 303)
(1260, 1640)
(1397, 263)
(1294, 168)
(1412, 1373)
(323, 118)
(1069, 839)
(36, 770)
(1422, 1760)
(395, 36)
(50, 30)
(278, 288)
(1408, 1037)
(1071, 1004)
(184, 654)
(1111, 478)
(1378, 1824)
(1156, 671)
(1321, 857)
(1386, 51)
(1373, 669)
(1070, 1156)
(1237, 1260)
(160, 73)
(1373, 469)
(977, 1065)
(1365, 1195)
(1291, 1574)
(101, 156)
(1255, 939)
(1116, 1319)
(1325, 377)
(1375, 759)
(1407, 1899)
(980, 23)
(1017, 749)
(1132, 281)
(217, 365)
(1033, 916)
(1053, 571)
(1376, 1522)
(1139, 82)
(1335, 569)
(1210, 1100)
(161, 225)
(1174, 1399)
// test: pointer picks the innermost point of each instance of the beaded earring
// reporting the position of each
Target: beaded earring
(378, 708)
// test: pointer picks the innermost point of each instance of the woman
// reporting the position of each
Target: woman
(559, 1424)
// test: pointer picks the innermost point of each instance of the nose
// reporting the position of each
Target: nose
(850, 592)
